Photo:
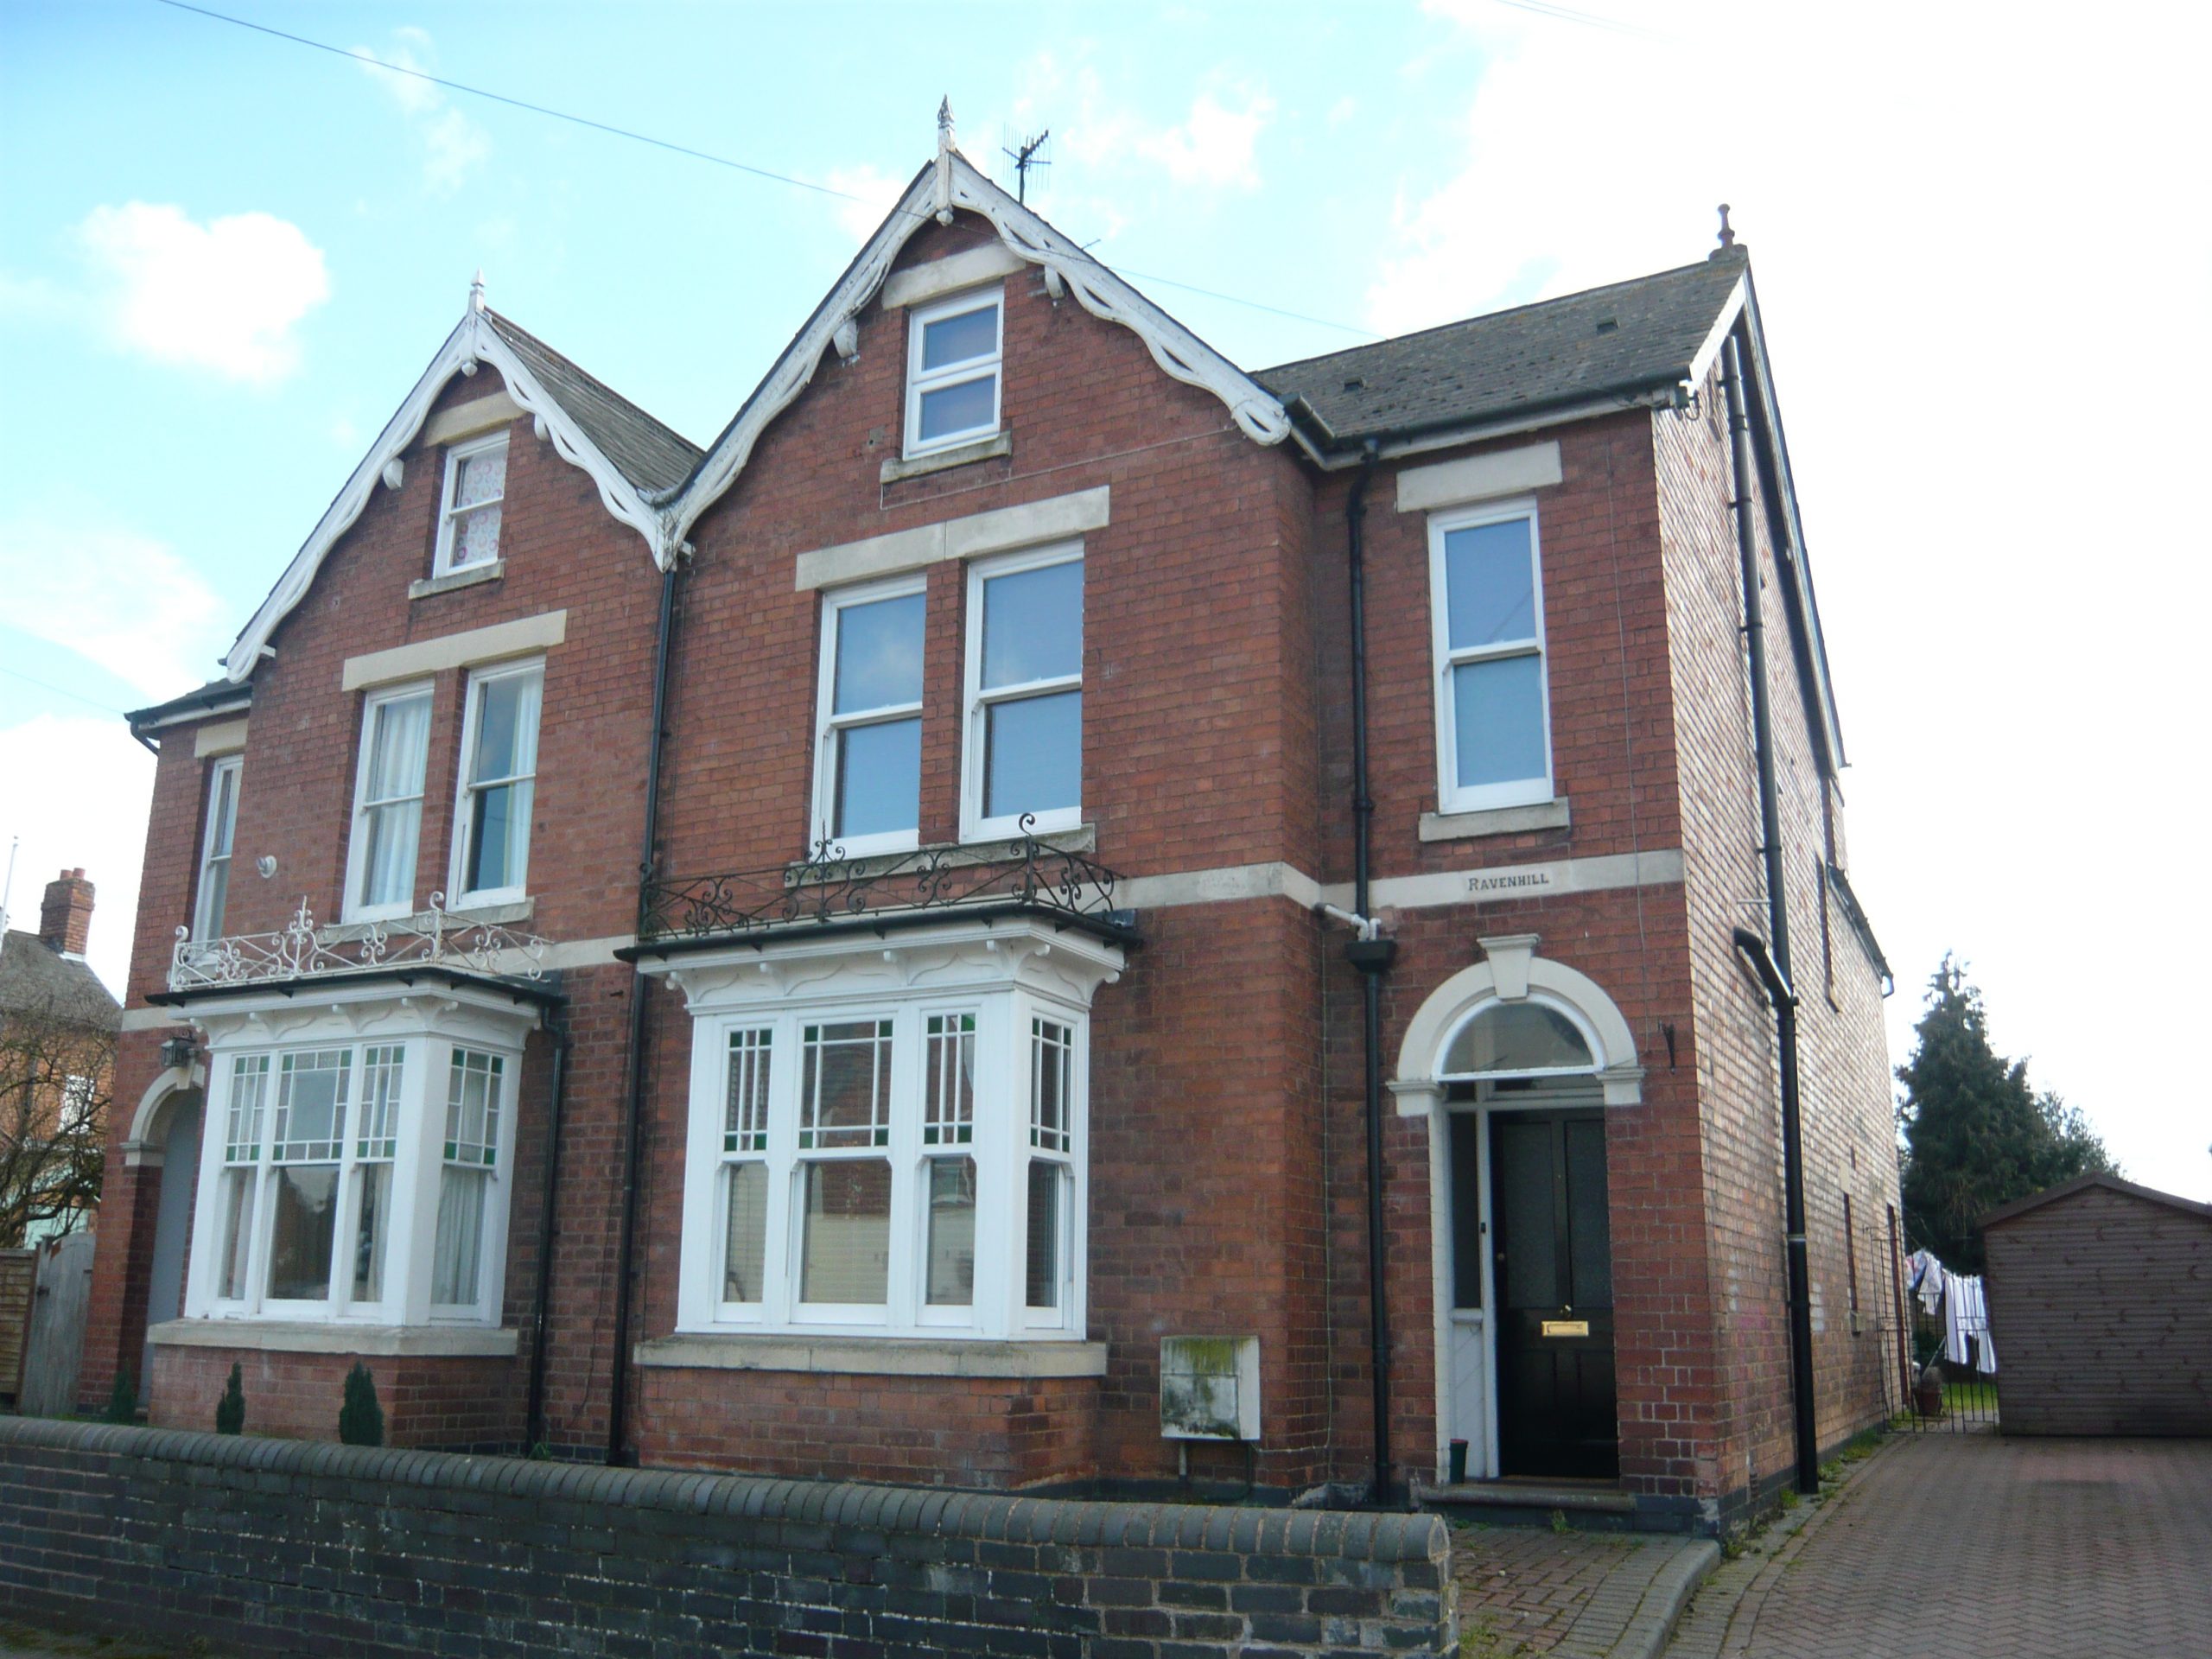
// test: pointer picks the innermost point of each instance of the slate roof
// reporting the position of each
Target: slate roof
(652, 456)
(1613, 341)
(212, 695)
(33, 978)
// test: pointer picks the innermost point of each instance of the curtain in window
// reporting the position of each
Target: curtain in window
(399, 748)
(455, 1258)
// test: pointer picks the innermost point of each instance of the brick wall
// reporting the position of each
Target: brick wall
(275, 1546)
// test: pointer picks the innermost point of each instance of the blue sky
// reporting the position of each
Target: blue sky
(1980, 248)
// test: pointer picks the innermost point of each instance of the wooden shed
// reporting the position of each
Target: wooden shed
(2101, 1310)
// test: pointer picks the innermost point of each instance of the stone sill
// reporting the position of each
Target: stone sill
(956, 855)
(1496, 821)
(315, 1336)
(874, 1356)
(898, 467)
(457, 921)
(491, 570)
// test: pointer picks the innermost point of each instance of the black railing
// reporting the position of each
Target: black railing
(826, 888)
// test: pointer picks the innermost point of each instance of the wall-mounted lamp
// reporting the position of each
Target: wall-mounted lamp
(178, 1053)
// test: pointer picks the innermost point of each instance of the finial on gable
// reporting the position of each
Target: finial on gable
(476, 291)
(944, 161)
(1727, 236)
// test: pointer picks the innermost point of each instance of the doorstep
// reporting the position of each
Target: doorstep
(1596, 1505)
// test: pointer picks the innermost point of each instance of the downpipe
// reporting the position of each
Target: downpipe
(1770, 957)
(556, 1028)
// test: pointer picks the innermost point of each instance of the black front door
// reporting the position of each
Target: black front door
(1554, 1281)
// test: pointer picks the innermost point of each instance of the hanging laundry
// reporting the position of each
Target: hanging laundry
(1966, 1319)
(1926, 1277)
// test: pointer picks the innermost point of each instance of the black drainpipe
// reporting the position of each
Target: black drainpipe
(556, 1028)
(618, 1446)
(1372, 957)
(1771, 957)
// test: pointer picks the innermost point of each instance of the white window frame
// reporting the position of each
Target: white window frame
(357, 843)
(449, 517)
(415, 1131)
(1450, 796)
(465, 786)
(830, 725)
(975, 746)
(998, 1144)
(224, 772)
(919, 380)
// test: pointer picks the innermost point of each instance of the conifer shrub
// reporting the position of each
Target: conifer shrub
(123, 1398)
(360, 1419)
(230, 1410)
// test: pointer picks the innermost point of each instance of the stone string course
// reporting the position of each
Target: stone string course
(291, 1546)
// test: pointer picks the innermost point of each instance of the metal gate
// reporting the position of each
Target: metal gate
(1940, 1374)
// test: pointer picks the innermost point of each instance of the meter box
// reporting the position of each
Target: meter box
(1210, 1387)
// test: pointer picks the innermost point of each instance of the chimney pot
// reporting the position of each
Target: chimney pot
(65, 914)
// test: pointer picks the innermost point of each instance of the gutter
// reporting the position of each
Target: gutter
(1112, 927)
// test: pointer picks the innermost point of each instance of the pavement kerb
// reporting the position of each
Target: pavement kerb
(1644, 1633)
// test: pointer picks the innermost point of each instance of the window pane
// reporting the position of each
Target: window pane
(483, 477)
(369, 1232)
(381, 1070)
(306, 1222)
(226, 808)
(1516, 1036)
(215, 894)
(1051, 1059)
(956, 339)
(475, 537)
(237, 1212)
(499, 837)
(1033, 755)
(962, 407)
(473, 1107)
(879, 655)
(390, 862)
(1498, 720)
(249, 1091)
(845, 1086)
(878, 779)
(745, 1123)
(952, 1232)
(1047, 1184)
(1033, 625)
(399, 744)
(311, 1105)
(846, 1256)
(1492, 582)
(456, 1256)
(747, 1249)
(506, 727)
(949, 1070)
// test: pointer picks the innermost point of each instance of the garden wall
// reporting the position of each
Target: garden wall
(294, 1545)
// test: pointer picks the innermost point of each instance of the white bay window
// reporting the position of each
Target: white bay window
(888, 1136)
(363, 1170)
(1493, 710)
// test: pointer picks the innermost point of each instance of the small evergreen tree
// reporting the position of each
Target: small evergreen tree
(360, 1420)
(1975, 1134)
(123, 1398)
(230, 1410)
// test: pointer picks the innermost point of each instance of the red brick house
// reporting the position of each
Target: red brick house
(1097, 805)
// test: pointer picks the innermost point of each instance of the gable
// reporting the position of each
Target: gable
(950, 184)
(625, 451)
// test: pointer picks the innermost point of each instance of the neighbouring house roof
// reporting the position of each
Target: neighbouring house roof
(633, 458)
(217, 697)
(653, 456)
(1649, 334)
(2019, 1207)
(35, 978)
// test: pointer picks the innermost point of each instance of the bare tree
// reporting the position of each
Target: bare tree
(56, 1085)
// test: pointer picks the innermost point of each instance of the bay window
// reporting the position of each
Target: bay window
(358, 1179)
(1024, 746)
(388, 803)
(1493, 717)
(899, 1149)
(868, 769)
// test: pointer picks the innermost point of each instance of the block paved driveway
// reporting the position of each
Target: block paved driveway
(1974, 1547)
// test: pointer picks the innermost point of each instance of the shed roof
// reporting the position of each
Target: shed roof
(2064, 1190)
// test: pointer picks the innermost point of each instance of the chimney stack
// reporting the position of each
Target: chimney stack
(65, 915)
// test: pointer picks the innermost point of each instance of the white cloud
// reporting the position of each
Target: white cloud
(121, 599)
(452, 145)
(877, 191)
(1215, 145)
(82, 792)
(226, 296)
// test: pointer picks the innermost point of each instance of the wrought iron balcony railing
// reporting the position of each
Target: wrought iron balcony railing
(826, 888)
(304, 951)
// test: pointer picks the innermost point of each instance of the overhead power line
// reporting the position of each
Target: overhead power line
(709, 156)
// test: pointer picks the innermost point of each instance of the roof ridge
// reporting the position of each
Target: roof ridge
(1503, 311)
(501, 320)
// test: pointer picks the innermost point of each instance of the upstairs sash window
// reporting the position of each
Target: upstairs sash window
(1492, 701)
(388, 803)
(953, 361)
(215, 849)
(1024, 693)
(498, 783)
(868, 754)
(475, 484)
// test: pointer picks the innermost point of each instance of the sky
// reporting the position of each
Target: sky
(1978, 234)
